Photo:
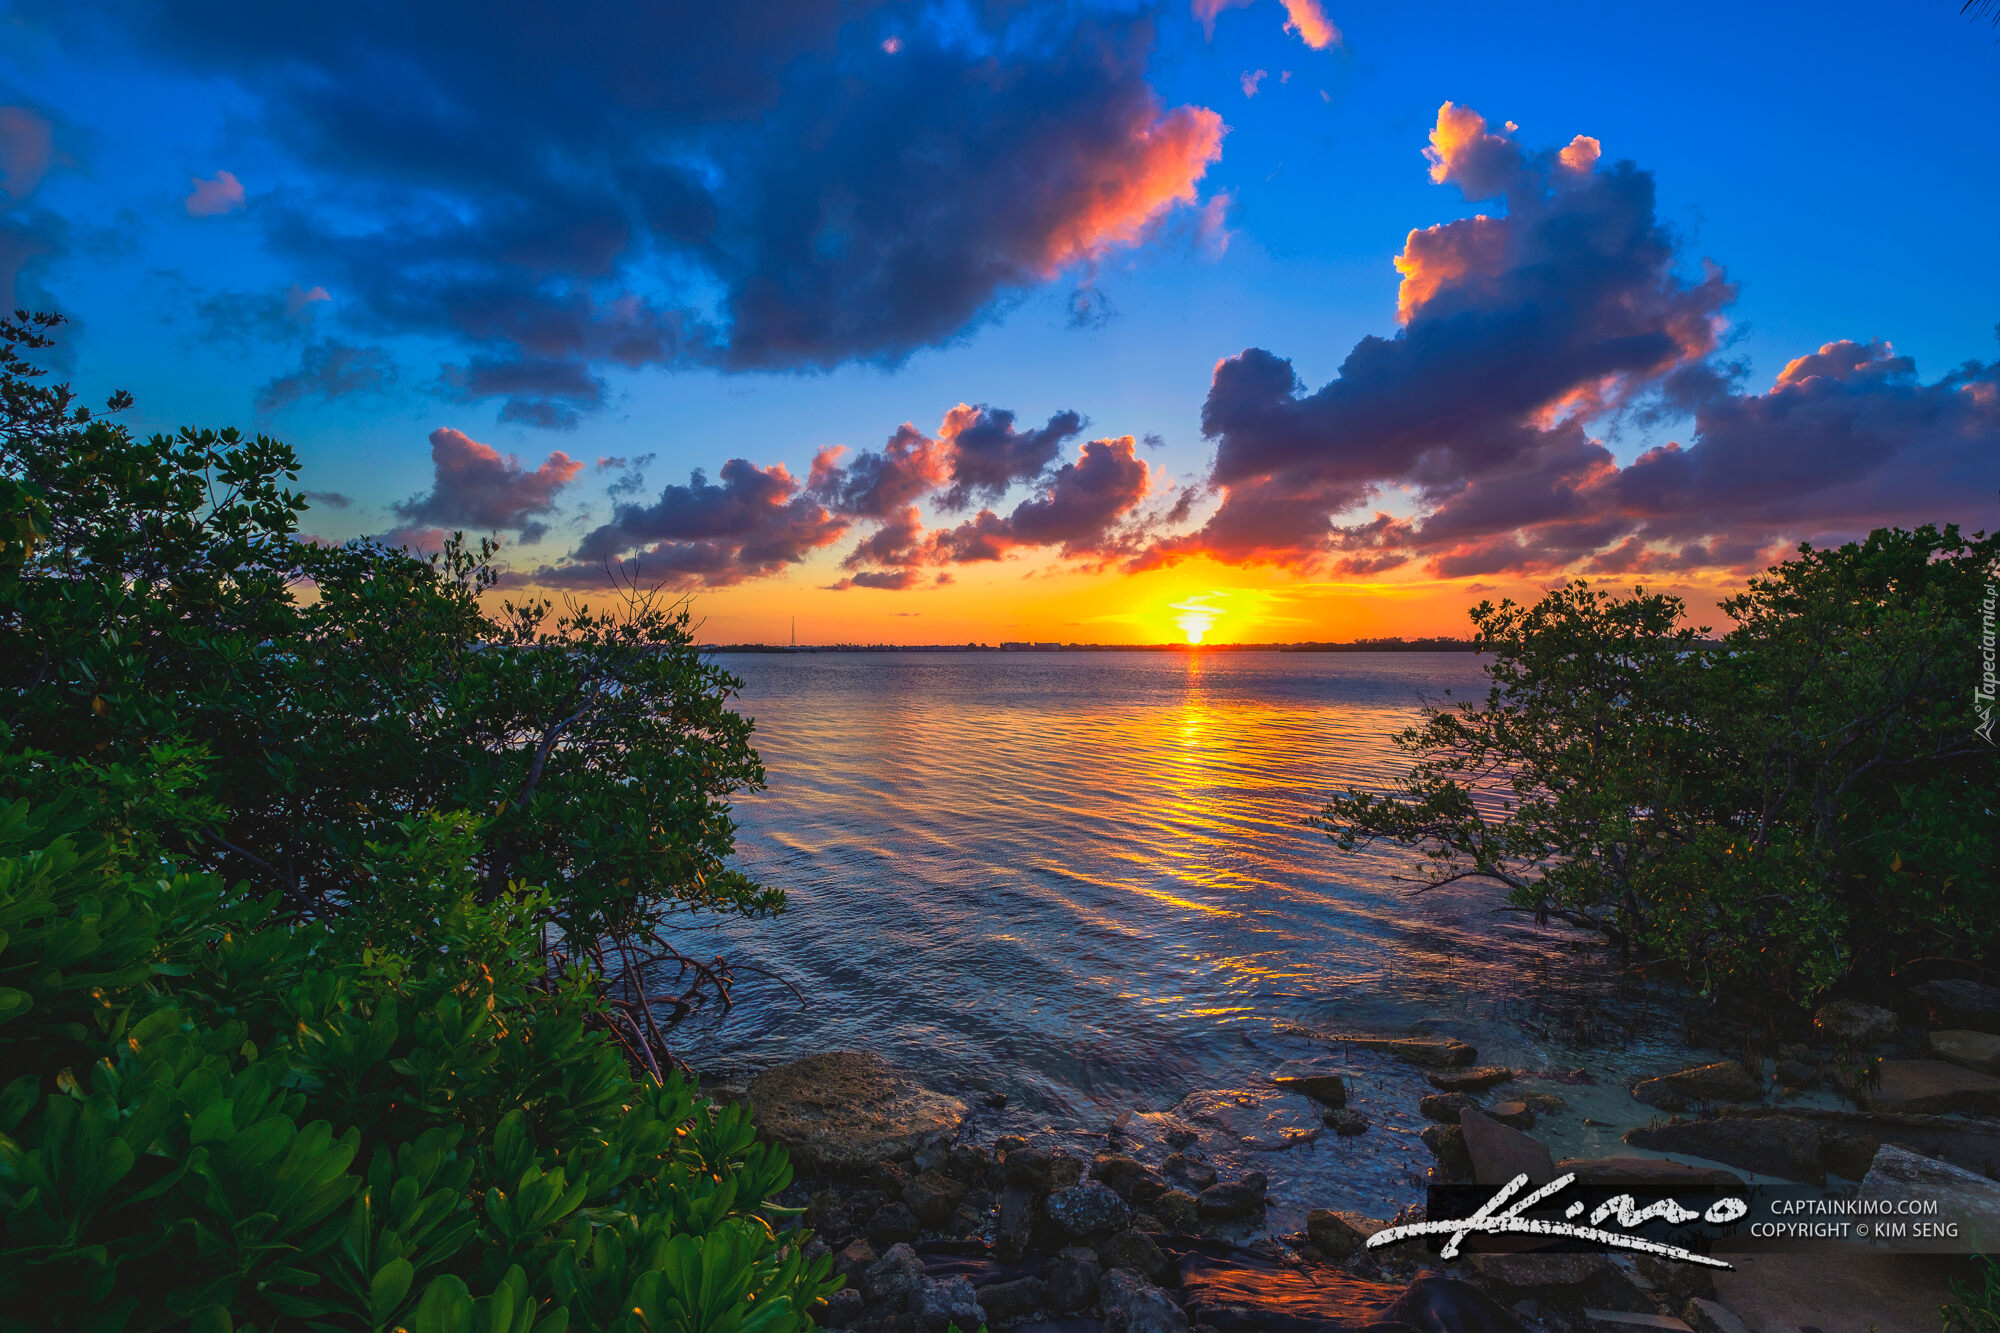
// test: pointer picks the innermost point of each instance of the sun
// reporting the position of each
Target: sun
(1195, 618)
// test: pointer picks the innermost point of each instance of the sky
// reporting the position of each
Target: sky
(941, 322)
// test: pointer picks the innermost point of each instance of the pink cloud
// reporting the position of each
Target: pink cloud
(1309, 21)
(222, 193)
(27, 149)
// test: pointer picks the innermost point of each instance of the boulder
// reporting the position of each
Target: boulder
(1260, 1119)
(1012, 1302)
(842, 1308)
(1647, 1171)
(1706, 1316)
(1447, 1144)
(1234, 1201)
(946, 1303)
(1322, 1085)
(1015, 1224)
(855, 1260)
(1515, 1115)
(1431, 1052)
(1499, 1154)
(1962, 1197)
(1195, 1172)
(1030, 1168)
(1544, 1103)
(1338, 1235)
(1723, 1081)
(1856, 1023)
(841, 1110)
(1444, 1107)
(1071, 1279)
(1345, 1123)
(1932, 1086)
(1133, 1305)
(1177, 1211)
(1090, 1207)
(1776, 1145)
(890, 1223)
(1477, 1079)
(894, 1278)
(1958, 1004)
(1796, 1074)
(1135, 1250)
(933, 1197)
(1979, 1051)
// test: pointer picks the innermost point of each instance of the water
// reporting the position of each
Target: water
(1084, 881)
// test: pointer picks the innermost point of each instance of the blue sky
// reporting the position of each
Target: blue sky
(1834, 161)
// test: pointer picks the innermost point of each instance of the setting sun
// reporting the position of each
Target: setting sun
(1195, 618)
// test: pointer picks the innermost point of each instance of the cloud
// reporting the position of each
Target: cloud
(1523, 333)
(781, 186)
(221, 193)
(329, 369)
(1250, 80)
(27, 150)
(989, 454)
(242, 321)
(757, 522)
(1307, 19)
(330, 499)
(881, 482)
(1205, 12)
(477, 489)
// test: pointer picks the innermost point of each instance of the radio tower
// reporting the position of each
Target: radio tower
(795, 631)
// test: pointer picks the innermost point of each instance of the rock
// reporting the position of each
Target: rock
(969, 1164)
(1197, 1173)
(1970, 1200)
(1015, 1225)
(1117, 1170)
(1228, 1203)
(1723, 1081)
(945, 1303)
(1706, 1316)
(1071, 1279)
(1477, 1079)
(1322, 1085)
(892, 1222)
(1516, 1115)
(855, 1260)
(1087, 1208)
(1135, 1250)
(1007, 1143)
(1431, 1052)
(933, 1197)
(1444, 1107)
(1064, 1170)
(1795, 1074)
(1958, 1004)
(1539, 1270)
(1499, 1153)
(1447, 1144)
(1931, 1086)
(1647, 1171)
(1177, 1211)
(1978, 1051)
(888, 1177)
(1855, 1022)
(1544, 1103)
(1345, 1123)
(1627, 1321)
(1776, 1145)
(841, 1110)
(1134, 1305)
(842, 1308)
(1671, 1280)
(1260, 1119)
(1012, 1302)
(894, 1278)
(1338, 1235)
(1030, 1168)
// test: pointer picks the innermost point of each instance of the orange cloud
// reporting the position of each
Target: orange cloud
(27, 148)
(1310, 22)
(1206, 10)
(1131, 192)
(1581, 154)
(1435, 256)
(1462, 152)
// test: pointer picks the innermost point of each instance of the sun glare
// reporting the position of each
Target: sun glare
(1195, 618)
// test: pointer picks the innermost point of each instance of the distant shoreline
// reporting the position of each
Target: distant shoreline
(1355, 646)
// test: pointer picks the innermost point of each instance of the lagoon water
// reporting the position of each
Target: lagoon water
(1083, 880)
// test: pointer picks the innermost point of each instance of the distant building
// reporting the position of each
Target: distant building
(1016, 647)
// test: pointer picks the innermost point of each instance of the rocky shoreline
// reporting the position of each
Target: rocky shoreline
(1141, 1234)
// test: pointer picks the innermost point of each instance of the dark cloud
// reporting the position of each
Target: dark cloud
(631, 184)
(882, 482)
(478, 489)
(758, 521)
(330, 499)
(989, 453)
(243, 321)
(1521, 332)
(329, 369)
(30, 236)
